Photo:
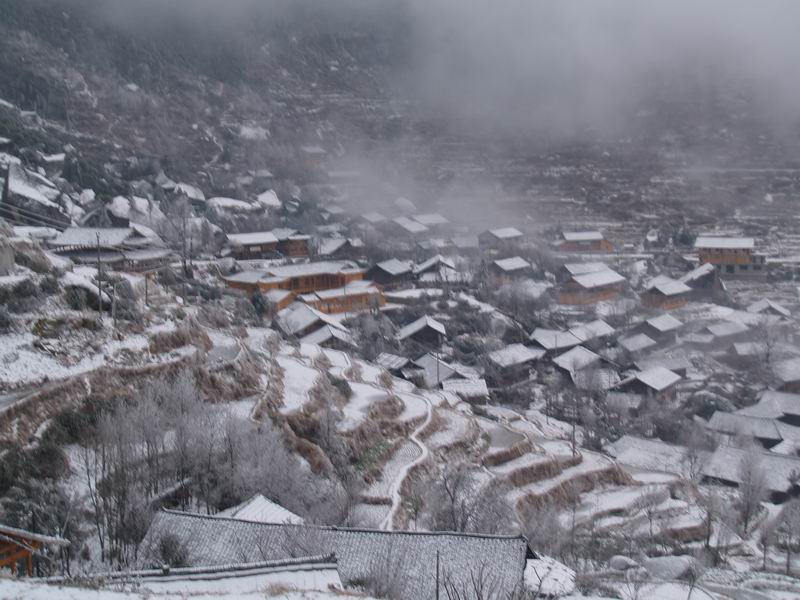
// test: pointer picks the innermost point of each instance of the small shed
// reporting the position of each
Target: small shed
(18, 545)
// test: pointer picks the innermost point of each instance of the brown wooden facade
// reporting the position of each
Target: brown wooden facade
(348, 302)
(655, 299)
(573, 294)
(586, 246)
(299, 284)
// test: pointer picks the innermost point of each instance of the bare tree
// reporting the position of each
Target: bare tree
(752, 486)
(789, 529)
(458, 501)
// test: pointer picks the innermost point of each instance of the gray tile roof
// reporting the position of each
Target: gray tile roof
(409, 557)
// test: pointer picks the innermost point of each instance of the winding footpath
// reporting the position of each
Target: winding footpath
(397, 485)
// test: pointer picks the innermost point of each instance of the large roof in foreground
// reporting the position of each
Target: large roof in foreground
(359, 553)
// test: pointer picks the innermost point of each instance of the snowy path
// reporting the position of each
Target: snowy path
(397, 485)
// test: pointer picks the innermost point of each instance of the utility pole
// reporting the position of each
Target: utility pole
(99, 278)
(437, 575)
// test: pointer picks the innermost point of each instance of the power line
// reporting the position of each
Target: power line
(15, 212)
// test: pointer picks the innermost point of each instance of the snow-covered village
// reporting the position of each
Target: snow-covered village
(315, 302)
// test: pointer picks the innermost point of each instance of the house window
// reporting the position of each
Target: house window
(756, 267)
(729, 269)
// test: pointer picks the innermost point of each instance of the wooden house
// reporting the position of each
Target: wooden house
(665, 293)
(425, 330)
(732, 257)
(500, 239)
(657, 383)
(591, 288)
(584, 241)
(359, 295)
(391, 272)
(299, 278)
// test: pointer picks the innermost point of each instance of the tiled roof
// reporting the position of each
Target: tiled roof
(359, 553)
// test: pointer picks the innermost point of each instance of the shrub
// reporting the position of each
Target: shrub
(77, 298)
(172, 552)
(49, 286)
(26, 289)
(6, 320)
(343, 387)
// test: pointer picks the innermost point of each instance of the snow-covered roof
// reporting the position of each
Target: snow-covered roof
(254, 238)
(576, 359)
(727, 243)
(582, 268)
(110, 237)
(699, 272)
(651, 454)
(553, 339)
(420, 324)
(725, 464)
(23, 183)
(738, 424)
(515, 263)
(766, 305)
(673, 363)
(212, 540)
(636, 343)
(658, 378)
(466, 388)
(191, 191)
(276, 295)
(298, 317)
(220, 203)
(361, 286)
(269, 199)
(592, 330)
(773, 405)
(430, 219)
(433, 369)
(391, 362)
(433, 262)
(667, 286)
(505, 233)
(787, 371)
(260, 510)
(409, 225)
(515, 354)
(664, 323)
(373, 217)
(36, 537)
(582, 236)
(727, 328)
(396, 267)
(325, 334)
(312, 268)
(598, 279)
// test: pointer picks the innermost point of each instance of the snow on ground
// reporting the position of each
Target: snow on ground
(11, 589)
(415, 407)
(355, 411)
(457, 428)
(591, 463)
(257, 337)
(21, 363)
(298, 379)
(405, 454)
(369, 515)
